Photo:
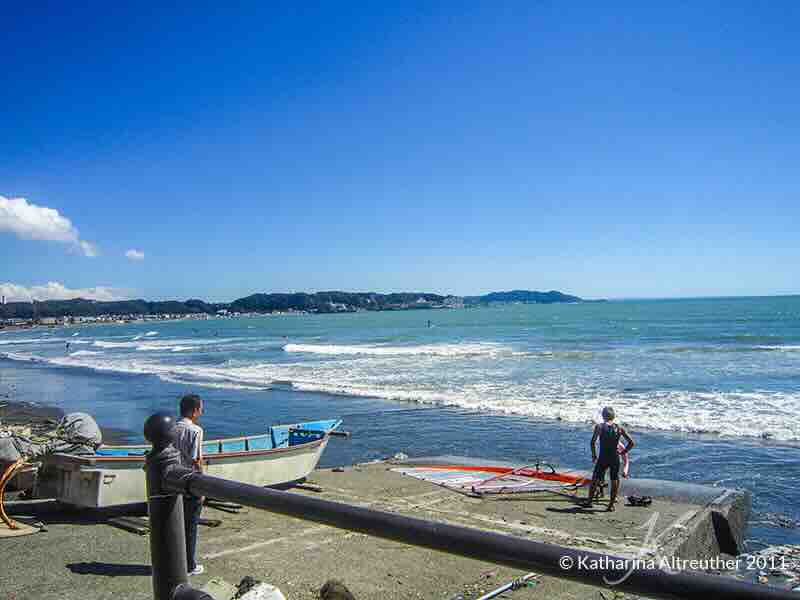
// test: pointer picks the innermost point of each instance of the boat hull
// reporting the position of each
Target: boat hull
(104, 481)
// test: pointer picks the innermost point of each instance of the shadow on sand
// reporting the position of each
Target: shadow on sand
(109, 569)
(52, 512)
(577, 510)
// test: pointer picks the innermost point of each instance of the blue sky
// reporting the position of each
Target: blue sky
(607, 151)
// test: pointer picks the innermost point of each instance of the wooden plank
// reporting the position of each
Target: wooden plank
(210, 522)
(135, 525)
(311, 487)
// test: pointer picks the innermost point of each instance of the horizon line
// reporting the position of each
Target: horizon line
(589, 299)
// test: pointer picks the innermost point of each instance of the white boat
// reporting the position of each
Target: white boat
(114, 475)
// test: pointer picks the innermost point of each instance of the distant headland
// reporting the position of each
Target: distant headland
(318, 302)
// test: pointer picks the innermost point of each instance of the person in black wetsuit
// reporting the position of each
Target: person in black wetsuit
(609, 434)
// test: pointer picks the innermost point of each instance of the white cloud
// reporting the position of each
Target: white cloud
(88, 248)
(29, 221)
(135, 254)
(58, 291)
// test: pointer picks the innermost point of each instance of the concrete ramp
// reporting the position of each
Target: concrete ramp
(88, 554)
(716, 527)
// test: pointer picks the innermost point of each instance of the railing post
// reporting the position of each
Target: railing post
(167, 535)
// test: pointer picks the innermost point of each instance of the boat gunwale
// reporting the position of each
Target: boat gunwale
(218, 441)
(240, 438)
(92, 459)
(209, 457)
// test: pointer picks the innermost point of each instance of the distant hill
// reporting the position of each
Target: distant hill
(335, 301)
(522, 296)
(321, 302)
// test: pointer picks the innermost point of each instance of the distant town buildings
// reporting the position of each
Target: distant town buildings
(70, 320)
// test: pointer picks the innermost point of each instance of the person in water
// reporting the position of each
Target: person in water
(609, 434)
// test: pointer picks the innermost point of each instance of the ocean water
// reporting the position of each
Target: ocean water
(710, 388)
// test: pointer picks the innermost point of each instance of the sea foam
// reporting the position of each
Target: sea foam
(445, 350)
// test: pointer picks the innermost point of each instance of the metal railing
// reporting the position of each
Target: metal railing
(166, 479)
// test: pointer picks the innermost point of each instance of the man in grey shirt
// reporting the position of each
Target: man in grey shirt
(189, 442)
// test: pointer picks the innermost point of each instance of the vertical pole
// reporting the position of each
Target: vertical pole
(167, 535)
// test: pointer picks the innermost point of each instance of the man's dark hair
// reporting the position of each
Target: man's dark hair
(188, 403)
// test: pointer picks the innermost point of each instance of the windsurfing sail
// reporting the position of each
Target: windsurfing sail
(479, 481)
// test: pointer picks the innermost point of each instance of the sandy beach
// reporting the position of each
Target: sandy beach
(39, 418)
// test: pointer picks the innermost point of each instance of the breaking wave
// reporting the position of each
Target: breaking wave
(158, 346)
(28, 341)
(162, 348)
(21, 357)
(484, 349)
(102, 344)
(726, 349)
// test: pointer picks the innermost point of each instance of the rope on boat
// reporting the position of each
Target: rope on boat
(8, 474)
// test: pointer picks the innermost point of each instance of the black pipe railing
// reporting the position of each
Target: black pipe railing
(165, 507)
(165, 476)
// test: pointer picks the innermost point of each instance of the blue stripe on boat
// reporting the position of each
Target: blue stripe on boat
(261, 442)
(121, 451)
(237, 446)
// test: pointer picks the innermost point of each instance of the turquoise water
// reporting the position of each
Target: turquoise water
(710, 387)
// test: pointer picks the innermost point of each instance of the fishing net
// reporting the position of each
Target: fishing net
(76, 433)
(8, 451)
